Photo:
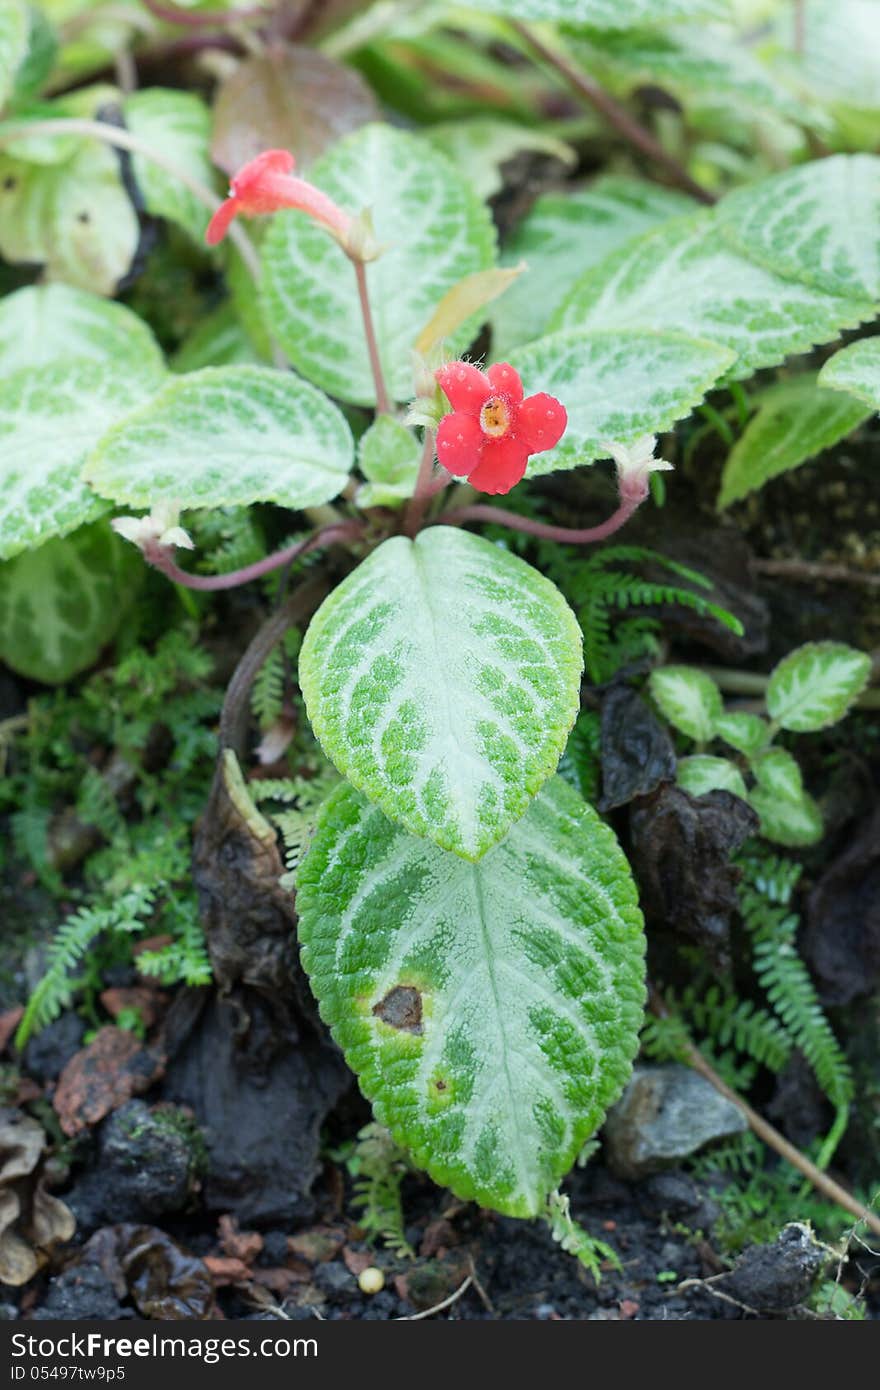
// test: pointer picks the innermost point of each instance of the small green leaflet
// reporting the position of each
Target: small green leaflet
(690, 700)
(60, 604)
(561, 237)
(747, 733)
(815, 685)
(227, 436)
(682, 276)
(794, 422)
(435, 231)
(219, 339)
(74, 217)
(702, 773)
(44, 323)
(818, 223)
(14, 30)
(490, 1011)
(177, 125)
(49, 418)
(442, 678)
(856, 370)
(606, 14)
(789, 815)
(616, 385)
(388, 456)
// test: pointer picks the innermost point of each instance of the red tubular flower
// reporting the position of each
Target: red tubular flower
(491, 432)
(267, 184)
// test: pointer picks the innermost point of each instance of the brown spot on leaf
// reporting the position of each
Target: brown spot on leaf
(401, 1008)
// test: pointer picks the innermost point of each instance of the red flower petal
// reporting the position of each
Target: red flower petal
(459, 443)
(251, 175)
(506, 381)
(219, 223)
(465, 386)
(502, 465)
(541, 422)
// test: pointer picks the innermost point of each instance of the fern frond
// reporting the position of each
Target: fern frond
(572, 1237)
(378, 1167)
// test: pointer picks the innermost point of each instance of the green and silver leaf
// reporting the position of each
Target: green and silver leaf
(561, 237)
(490, 1011)
(815, 685)
(45, 323)
(442, 678)
(435, 231)
(227, 436)
(818, 223)
(689, 699)
(789, 815)
(747, 733)
(177, 125)
(606, 14)
(683, 277)
(855, 370)
(616, 385)
(702, 773)
(795, 421)
(49, 419)
(14, 31)
(61, 603)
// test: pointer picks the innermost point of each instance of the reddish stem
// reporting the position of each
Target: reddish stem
(383, 400)
(565, 534)
(160, 558)
(424, 489)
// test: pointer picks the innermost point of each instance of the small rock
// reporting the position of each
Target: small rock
(334, 1280)
(777, 1277)
(83, 1292)
(665, 1114)
(677, 1197)
(47, 1054)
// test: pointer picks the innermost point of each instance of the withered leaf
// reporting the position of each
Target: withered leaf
(636, 751)
(114, 1067)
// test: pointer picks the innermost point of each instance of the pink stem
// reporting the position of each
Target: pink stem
(383, 400)
(424, 489)
(161, 559)
(587, 536)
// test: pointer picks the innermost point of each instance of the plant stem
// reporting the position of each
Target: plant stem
(771, 1137)
(124, 140)
(615, 114)
(811, 572)
(564, 534)
(383, 400)
(425, 488)
(161, 559)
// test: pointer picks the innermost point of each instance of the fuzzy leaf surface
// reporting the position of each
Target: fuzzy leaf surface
(815, 685)
(227, 436)
(43, 323)
(702, 773)
(442, 678)
(689, 698)
(490, 1011)
(856, 370)
(435, 231)
(789, 815)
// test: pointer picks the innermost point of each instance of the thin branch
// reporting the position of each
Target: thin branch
(771, 1137)
(811, 572)
(383, 400)
(564, 534)
(161, 559)
(753, 683)
(615, 114)
(124, 140)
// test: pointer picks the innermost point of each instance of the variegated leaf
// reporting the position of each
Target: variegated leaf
(44, 323)
(49, 418)
(607, 14)
(856, 371)
(435, 231)
(490, 1011)
(789, 815)
(227, 436)
(689, 698)
(616, 386)
(442, 678)
(702, 773)
(815, 685)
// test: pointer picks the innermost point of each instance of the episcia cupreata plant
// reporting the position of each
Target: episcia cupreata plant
(469, 925)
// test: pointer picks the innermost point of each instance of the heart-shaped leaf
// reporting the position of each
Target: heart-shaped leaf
(227, 436)
(44, 323)
(442, 678)
(490, 1011)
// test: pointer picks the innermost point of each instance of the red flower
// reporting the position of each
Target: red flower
(492, 431)
(266, 184)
